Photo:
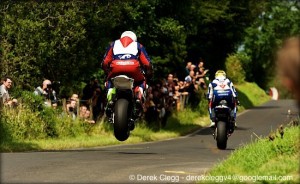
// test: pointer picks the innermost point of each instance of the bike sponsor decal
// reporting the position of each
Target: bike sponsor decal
(125, 56)
(124, 63)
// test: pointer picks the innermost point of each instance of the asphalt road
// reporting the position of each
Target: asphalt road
(172, 161)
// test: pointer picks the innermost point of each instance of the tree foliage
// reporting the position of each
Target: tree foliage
(280, 20)
(234, 69)
(66, 40)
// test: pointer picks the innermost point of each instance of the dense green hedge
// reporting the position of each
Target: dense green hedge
(31, 119)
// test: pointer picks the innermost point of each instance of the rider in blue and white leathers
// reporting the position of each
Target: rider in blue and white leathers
(221, 88)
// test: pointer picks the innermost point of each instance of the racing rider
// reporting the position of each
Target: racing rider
(126, 56)
(221, 88)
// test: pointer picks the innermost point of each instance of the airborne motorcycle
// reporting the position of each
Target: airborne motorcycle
(125, 109)
(224, 121)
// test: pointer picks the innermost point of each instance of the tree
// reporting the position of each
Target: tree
(59, 41)
(281, 19)
(219, 29)
(65, 41)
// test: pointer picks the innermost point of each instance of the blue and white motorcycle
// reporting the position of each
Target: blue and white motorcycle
(223, 112)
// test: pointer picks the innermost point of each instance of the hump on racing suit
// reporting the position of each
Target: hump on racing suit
(128, 57)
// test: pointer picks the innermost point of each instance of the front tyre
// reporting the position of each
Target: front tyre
(221, 133)
(121, 129)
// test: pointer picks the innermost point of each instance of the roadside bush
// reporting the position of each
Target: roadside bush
(5, 135)
(32, 101)
(65, 126)
(203, 104)
(49, 116)
(21, 123)
(32, 120)
(234, 69)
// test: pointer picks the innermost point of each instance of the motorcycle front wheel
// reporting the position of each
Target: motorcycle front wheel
(121, 129)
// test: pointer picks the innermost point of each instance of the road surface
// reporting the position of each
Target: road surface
(177, 160)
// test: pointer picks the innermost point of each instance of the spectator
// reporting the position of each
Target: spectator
(151, 113)
(190, 87)
(170, 79)
(87, 117)
(170, 89)
(196, 86)
(6, 100)
(201, 72)
(97, 102)
(200, 64)
(288, 62)
(93, 95)
(193, 67)
(82, 111)
(88, 91)
(85, 114)
(71, 108)
(188, 67)
(75, 97)
(48, 93)
(181, 86)
(189, 79)
(177, 94)
(163, 87)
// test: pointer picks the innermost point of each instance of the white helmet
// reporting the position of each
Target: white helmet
(130, 34)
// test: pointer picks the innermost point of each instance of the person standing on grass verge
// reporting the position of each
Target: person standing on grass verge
(288, 65)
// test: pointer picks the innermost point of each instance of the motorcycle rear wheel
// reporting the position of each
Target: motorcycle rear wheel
(121, 129)
(221, 135)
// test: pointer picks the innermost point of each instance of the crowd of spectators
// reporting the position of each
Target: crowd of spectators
(171, 93)
(162, 97)
(91, 105)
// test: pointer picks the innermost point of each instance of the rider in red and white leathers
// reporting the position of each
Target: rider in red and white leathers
(126, 56)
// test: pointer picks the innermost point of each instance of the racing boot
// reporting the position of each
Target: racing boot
(212, 124)
(138, 108)
(108, 109)
(139, 102)
(131, 124)
(110, 94)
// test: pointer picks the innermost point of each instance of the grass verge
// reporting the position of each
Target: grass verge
(263, 161)
(250, 95)
(102, 135)
(27, 130)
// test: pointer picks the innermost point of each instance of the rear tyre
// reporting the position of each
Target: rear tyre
(121, 129)
(221, 135)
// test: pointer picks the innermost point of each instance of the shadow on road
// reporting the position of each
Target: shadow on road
(265, 107)
(244, 100)
(242, 128)
(205, 131)
(209, 131)
(136, 153)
